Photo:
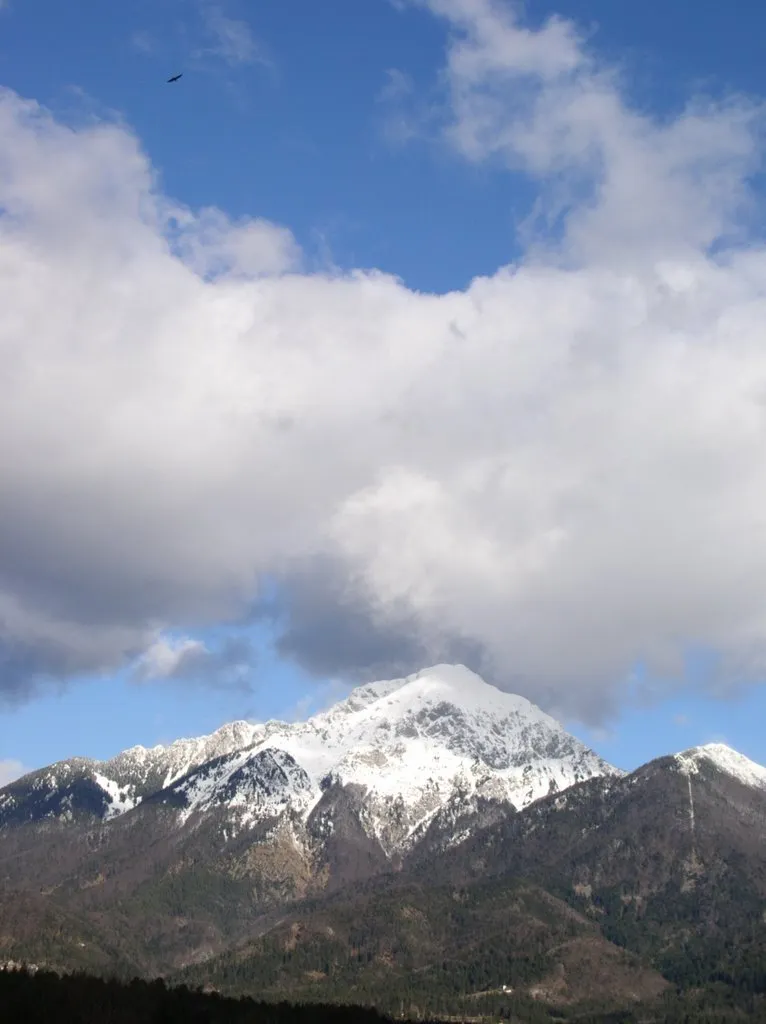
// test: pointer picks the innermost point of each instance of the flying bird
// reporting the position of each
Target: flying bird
(176, 77)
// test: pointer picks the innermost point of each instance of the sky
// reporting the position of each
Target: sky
(391, 334)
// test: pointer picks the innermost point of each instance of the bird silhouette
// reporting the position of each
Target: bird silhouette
(176, 77)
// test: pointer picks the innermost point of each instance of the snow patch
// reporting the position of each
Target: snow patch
(121, 798)
(253, 785)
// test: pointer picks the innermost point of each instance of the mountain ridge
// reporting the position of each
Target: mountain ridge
(413, 744)
(428, 751)
(469, 804)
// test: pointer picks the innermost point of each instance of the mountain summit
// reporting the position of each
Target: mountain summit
(725, 760)
(415, 744)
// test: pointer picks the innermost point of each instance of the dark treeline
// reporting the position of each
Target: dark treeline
(46, 998)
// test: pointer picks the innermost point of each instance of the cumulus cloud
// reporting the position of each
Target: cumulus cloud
(186, 659)
(212, 245)
(626, 186)
(551, 475)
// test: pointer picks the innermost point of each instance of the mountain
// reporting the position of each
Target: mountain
(672, 820)
(685, 829)
(81, 788)
(717, 757)
(670, 861)
(256, 816)
(414, 745)
(647, 890)
(428, 839)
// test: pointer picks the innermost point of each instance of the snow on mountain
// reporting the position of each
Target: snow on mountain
(725, 760)
(167, 764)
(259, 784)
(110, 788)
(413, 743)
(413, 746)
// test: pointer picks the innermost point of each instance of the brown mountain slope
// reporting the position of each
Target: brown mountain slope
(436, 950)
(668, 864)
(185, 891)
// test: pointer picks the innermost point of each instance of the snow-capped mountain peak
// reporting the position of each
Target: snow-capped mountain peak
(726, 760)
(412, 743)
(411, 746)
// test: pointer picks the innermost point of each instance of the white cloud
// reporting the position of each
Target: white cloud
(630, 187)
(165, 657)
(555, 472)
(232, 39)
(211, 245)
(189, 660)
(11, 770)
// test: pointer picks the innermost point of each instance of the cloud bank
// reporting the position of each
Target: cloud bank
(550, 475)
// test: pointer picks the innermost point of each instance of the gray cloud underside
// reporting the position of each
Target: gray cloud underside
(548, 475)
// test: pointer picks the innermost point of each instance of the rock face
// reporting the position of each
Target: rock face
(416, 749)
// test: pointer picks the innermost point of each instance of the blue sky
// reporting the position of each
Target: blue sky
(301, 138)
(330, 120)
